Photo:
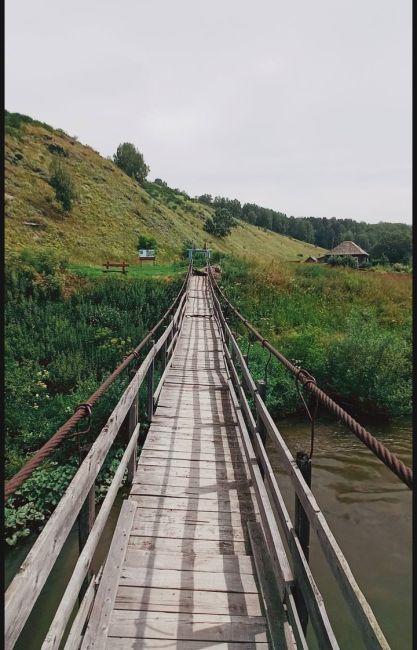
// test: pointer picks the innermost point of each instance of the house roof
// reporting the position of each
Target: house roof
(311, 259)
(347, 248)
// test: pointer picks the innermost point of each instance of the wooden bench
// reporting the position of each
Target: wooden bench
(123, 266)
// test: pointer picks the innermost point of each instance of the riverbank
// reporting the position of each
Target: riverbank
(351, 330)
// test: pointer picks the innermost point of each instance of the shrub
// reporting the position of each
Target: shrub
(343, 260)
(63, 185)
(146, 242)
(131, 161)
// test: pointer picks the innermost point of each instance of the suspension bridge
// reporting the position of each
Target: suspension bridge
(205, 553)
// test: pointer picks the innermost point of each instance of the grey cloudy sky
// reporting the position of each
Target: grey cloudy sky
(298, 105)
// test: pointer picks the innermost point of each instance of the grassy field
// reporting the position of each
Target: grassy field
(111, 210)
(134, 271)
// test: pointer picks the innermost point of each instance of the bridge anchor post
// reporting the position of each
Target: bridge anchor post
(302, 529)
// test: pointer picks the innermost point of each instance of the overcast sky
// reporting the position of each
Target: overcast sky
(303, 106)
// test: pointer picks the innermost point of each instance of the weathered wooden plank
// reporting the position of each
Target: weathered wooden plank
(75, 637)
(184, 488)
(200, 477)
(241, 564)
(63, 613)
(354, 597)
(219, 447)
(166, 515)
(190, 546)
(277, 552)
(189, 531)
(242, 506)
(274, 612)
(191, 601)
(115, 643)
(200, 580)
(186, 631)
(27, 585)
(97, 627)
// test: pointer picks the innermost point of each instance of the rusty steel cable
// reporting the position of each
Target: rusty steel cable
(84, 409)
(404, 473)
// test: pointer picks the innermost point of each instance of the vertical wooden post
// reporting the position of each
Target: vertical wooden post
(133, 420)
(260, 427)
(261, 386)
(86, 519)
(302, 529)
(150, 376)
(164, 352)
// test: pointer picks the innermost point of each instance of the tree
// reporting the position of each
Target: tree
(220, 224)
(205, 198)
(131, 161)
(397, 248)
(62, 183)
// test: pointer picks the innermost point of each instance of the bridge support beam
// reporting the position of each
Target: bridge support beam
(302, 529)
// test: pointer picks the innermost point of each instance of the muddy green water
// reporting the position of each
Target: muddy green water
(367, 508)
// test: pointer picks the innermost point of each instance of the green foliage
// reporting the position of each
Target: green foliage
(146, 242)
(131, 161)
(28, 509)
(59, 346)
(63, 185)
(220, 224)
(351, 331)
(343, 260)
(14, 121)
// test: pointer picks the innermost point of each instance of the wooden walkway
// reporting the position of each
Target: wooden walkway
(179, 573)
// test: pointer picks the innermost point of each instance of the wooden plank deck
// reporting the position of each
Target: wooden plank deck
(180, 572)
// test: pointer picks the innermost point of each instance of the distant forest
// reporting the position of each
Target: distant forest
(390, 241)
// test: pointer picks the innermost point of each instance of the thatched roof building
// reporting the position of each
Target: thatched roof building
(346, 248)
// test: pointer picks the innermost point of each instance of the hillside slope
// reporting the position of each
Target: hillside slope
(111, 209)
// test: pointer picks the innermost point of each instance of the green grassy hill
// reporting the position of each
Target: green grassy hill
(111, 209)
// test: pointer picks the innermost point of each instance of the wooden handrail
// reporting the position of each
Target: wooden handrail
(370, 630)
(26, 586)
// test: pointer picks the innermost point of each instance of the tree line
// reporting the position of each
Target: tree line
(384, 240)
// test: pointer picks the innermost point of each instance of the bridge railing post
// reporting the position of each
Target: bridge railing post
(164, 352)
(150, 382)
(302, 529)
(260, 427)
(133, 420)
(86, 520)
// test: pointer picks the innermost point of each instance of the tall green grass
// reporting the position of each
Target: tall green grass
(64, 335)
(350, 330)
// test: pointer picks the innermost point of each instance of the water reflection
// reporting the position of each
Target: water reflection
(369, 512)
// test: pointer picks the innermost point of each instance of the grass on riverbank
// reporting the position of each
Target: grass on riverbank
(64, 335)
(351, 330)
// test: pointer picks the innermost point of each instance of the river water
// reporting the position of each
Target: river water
(368, 510)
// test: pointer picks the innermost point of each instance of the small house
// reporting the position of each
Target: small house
(311, 259)
(346, 248)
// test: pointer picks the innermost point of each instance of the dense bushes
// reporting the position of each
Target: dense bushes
(351, 330)
(57, 351)
(63, 185)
